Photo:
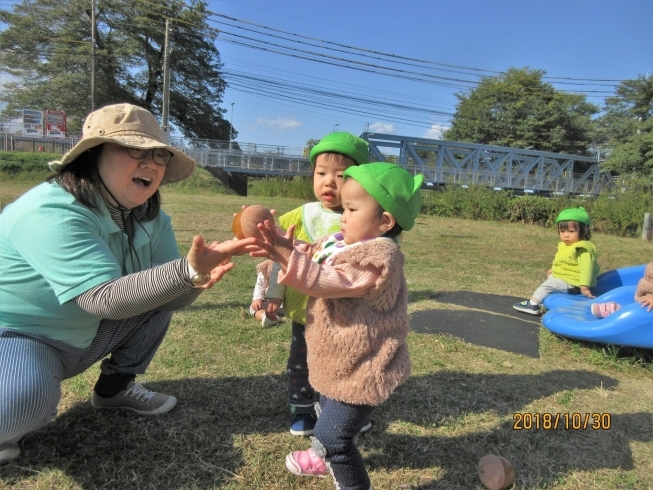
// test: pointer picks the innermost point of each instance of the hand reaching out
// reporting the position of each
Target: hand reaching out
(215, 259)
(274, 246)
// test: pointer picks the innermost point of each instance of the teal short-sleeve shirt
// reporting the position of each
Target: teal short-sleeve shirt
(53, 248)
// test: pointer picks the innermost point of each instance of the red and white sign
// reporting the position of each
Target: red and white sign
(55, 124)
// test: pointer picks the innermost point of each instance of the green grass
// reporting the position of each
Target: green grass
(229, 429)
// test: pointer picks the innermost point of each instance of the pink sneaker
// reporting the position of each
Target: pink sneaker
(601, 310)
(306, 463)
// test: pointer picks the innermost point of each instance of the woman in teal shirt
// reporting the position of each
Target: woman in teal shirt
(90, 270)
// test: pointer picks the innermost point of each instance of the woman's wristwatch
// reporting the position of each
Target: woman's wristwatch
(198, 278)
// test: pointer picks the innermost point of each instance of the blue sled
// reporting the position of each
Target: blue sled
(626, 276)
(631, 326)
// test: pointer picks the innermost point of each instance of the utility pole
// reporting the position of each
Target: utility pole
(231, 126)
(92, 55)
(166, 86)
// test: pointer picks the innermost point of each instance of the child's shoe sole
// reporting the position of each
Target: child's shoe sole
(295, 469)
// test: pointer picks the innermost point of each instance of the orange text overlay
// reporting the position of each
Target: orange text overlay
(566, 421)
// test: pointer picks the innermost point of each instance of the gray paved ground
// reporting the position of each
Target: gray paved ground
(498, 326)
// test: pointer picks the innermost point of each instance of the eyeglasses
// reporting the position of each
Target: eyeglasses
(161, 156)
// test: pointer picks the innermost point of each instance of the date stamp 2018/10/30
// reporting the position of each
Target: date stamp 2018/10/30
(566, 421)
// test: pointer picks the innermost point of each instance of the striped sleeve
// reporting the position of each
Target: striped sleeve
(165, 287)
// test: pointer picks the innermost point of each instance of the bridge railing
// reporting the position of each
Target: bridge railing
(252, 162)
(455, 162)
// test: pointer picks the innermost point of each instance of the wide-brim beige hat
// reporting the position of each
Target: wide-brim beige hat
(131, 126)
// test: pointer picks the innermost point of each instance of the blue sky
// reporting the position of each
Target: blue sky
(582, 39)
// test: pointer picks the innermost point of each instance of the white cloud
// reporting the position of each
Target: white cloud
(278, 125)
(435, 132)
(379, 127)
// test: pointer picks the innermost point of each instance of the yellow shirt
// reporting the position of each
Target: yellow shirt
(312, 221)
(576, 264)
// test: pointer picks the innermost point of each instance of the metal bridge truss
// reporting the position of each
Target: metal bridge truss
(251, 163)
(452, 162)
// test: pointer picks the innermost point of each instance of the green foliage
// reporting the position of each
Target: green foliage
(299, 187)
(479, 203)
(613, 214)
(620, 214)
(47, 45)
(16, 162)
(201, 181)
(516, 109)
(628, 127)
(534, 210)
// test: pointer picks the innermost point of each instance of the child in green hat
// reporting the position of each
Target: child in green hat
(334, 154)
(357, 319)
(574, 267)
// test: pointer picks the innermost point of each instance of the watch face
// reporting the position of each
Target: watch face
(200, 279)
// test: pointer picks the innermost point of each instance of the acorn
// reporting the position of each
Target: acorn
(244, 224)
(495, 472)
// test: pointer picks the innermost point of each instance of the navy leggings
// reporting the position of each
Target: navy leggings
(337, 425)
(301, 395)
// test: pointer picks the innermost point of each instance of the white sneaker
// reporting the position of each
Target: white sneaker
(266, 322)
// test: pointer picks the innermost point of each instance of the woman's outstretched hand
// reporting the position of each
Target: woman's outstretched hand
(275, 246)
(215, 259)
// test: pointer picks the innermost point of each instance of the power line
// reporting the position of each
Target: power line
(390, 55)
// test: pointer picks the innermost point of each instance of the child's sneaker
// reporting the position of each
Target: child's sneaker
(302, 424)
(306, 463)
(601, 310)
(527, 307)
(267, 322)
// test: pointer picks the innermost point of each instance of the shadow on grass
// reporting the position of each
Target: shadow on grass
(193, 446)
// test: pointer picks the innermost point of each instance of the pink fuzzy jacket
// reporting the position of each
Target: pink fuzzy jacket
(357, 350)
(645, 284)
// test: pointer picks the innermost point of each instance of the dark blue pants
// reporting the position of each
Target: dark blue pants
(337, 426)
(301, 395)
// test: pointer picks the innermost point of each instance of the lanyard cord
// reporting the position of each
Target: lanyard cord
(126, 230)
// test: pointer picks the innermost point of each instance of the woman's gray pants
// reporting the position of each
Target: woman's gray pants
(32, 367)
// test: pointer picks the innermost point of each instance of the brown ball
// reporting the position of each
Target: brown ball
(495, 472)
(244, 224)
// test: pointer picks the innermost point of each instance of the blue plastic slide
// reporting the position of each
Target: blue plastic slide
(631, 326)
(626, 276)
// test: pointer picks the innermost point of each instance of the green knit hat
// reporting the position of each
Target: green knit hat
(574, 214)
(346, 143)
(392, 187)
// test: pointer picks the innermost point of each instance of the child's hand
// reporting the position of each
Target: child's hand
(548, 273)
(257, 304)
(647, 302)
(272, 308)
(585, 291)
(274, 246)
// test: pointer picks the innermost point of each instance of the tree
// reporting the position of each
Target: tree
(628, 124)
(516, 109)
(309, 146)
(48, 45)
